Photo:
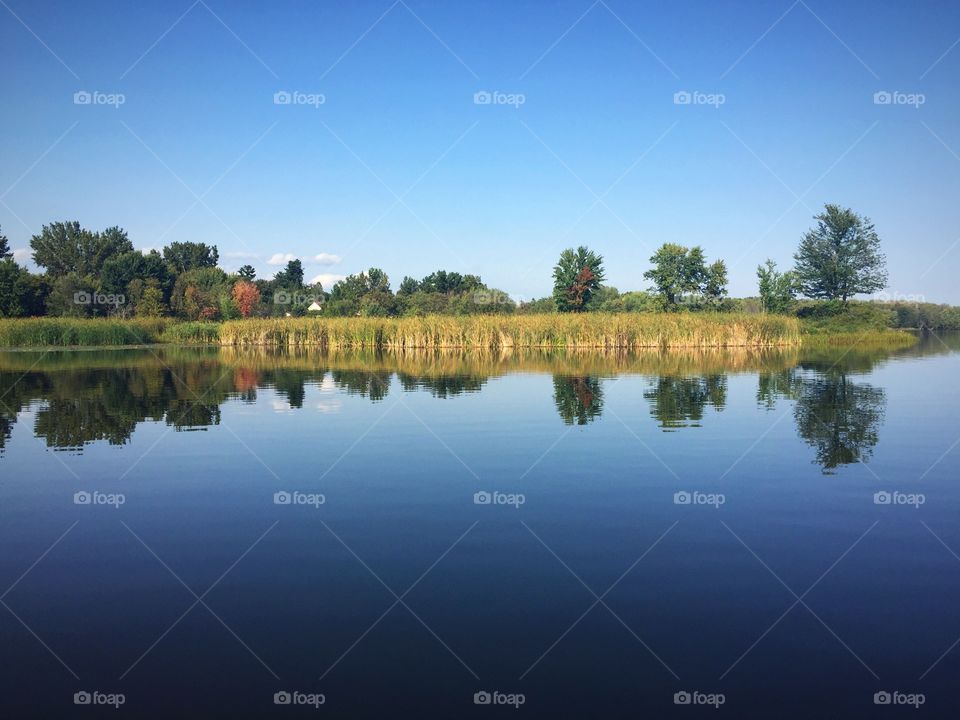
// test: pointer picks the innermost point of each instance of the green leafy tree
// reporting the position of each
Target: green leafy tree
(377, 281)
(121, 270)
(350, 295)
(840, 257)
(576, 276)
(12, 289)
(777, 289)
(196, 293)
(678, 271)
(291, 277)
(247, 272)
(65, 247)
(408, 286)
(715, 283)
(34, 291)
(150, 302)
(442, 281)
(71, 295)
(185, 256)
(4, 247)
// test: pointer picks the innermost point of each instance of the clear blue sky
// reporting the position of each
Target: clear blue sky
(492, 189)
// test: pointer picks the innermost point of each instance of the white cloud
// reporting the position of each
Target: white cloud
(330, 406)
(327, 259)
(281, 258)
(22, 255)
(328, 280)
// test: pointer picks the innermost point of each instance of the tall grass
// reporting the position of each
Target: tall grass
(604, 331)
(863, 338)
(191, 333)
(77, 332)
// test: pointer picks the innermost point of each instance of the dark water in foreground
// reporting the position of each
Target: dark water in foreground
(198, 530)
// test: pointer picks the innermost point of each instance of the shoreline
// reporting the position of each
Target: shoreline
(481, 333)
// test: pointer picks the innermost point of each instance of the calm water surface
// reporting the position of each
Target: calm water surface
(202, 529)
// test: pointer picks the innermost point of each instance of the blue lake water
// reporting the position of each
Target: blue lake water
(196, 531)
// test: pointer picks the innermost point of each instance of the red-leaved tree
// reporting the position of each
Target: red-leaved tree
(246, 296)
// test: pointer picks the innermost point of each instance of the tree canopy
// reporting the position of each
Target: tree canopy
(840, 257)
(65, 247)
(576, 276)
(680, 274)
(777, 289)
(185, 256)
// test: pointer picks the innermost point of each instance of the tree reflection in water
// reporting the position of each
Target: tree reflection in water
(578, 399)
(101, 396)
(838, 417)
(678, 402)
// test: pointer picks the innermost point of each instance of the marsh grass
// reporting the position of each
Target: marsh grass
(864, 338)
(570, 331)
(79, 332)
(191, 333)
(590, 332)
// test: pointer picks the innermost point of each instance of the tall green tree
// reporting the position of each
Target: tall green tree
(120, 270)
(840, 257)
(679, 271)
(12, 288)
(247, 272)
(72, 294)
(408, 286)
(185, 256)
(291, 276)
(442, 281)
(365, 294)
(65, 247)
(197, 293)
(777, 289)
(715, 283)
(576, 276)
(4, 247)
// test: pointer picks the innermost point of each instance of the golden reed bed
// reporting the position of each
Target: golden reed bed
(628, 331)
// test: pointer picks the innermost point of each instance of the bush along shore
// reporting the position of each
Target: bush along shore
(573, 331)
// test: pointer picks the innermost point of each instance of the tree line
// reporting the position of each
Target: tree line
(837, 259)
(88, 273)
(96, 274)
